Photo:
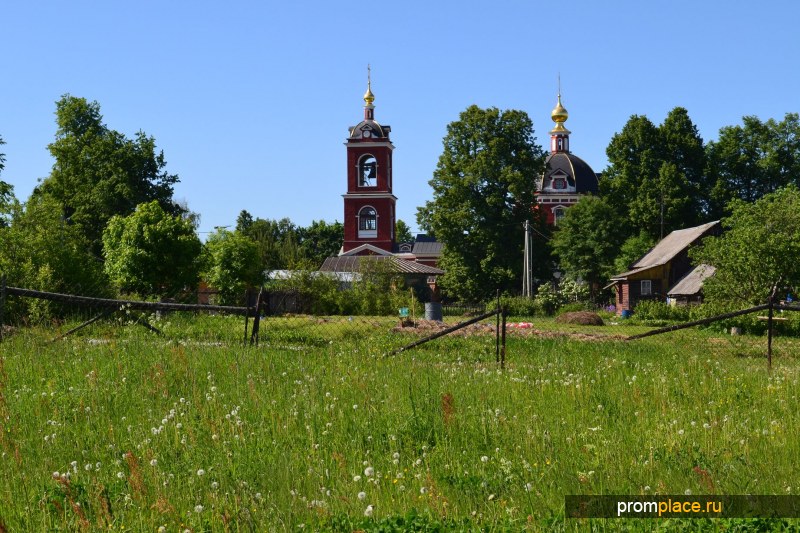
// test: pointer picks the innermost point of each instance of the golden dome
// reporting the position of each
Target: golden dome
(559, 113)
(368, 96)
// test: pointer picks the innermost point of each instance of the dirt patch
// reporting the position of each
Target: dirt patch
(583, 318)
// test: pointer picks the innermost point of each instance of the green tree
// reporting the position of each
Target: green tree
(277, 240)
(655, 178)
(319, 241)
(587, 241)
(39, 250)
(6, 192)
(402, 233)
(758, 251)
(232, 265)
(151, 251)
(483, 191)
(633, 249)
(753, 159)
(99, 173)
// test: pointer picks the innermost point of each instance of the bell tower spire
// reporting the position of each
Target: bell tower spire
(559, 135)
(369, 109)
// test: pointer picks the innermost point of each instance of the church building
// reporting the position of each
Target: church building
(567, 177)
(369, 204)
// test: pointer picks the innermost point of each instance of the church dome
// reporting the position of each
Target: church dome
(577, 175)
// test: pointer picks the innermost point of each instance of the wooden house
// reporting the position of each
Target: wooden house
(654, 275)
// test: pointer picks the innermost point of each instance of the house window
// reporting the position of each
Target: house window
(558, 214)
(367, 171)
(646, 287)
(367, 222)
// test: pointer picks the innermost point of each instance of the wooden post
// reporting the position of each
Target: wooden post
(503, 347)
(257, 319)
(769, 333)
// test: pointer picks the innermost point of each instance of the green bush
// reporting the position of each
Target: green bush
(517, 306)
(575, 307)
(378, 292)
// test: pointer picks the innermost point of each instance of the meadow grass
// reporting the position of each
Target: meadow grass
(316, 429)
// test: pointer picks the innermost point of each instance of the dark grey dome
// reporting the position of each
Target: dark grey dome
(578, 173)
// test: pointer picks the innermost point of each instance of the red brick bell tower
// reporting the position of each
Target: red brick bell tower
(369, 205)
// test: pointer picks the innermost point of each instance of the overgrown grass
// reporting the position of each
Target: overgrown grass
(124, 430)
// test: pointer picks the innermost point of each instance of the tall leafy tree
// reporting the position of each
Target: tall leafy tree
(587, 240)
(232, 265)
(99, 173)
(655, 178)
(6, 191)
(757, 254)
(40, 250)
(152, 251)
(753, 159)
(402, 233)
(483, 191)
(319, 241)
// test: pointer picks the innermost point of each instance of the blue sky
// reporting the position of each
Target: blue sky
(251, 101)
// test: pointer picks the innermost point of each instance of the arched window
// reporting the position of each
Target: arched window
(367, 171)
(558, 214)
(367, 222)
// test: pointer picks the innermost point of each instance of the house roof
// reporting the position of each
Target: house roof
(352, 263)
(670, 246)
(427, 248)
(692, 283)
(673, 244)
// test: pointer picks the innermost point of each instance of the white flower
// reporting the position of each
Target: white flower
(369, 471)
(688, 492)
(362, 495)
(356, 479)
(198, 508)
(201, 472)
(87, 467)
(120, 475)
(214, 485)
(153, 462)
(423, 490)
(56, 475)
(484, 459)
(368, 511)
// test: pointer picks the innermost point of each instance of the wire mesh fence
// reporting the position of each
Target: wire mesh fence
(286, 320)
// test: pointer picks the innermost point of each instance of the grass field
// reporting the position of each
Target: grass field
(118, 429)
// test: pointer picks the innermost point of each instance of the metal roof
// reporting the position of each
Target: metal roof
(427, 248)
(692, 283)
(352, 263)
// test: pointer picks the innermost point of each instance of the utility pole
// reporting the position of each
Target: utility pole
(527, 268)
